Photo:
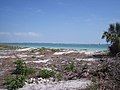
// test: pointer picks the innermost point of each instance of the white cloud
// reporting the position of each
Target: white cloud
(20, 34)
(26, 34)
(5, 33)
(33, 34)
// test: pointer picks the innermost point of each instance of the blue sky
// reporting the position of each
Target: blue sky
(57, 21)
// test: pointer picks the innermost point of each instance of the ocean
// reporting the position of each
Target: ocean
(87, 47)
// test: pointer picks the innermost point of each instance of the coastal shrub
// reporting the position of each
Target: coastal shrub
(44, 73)
(42, 49)
(70, 67)
(108, 74)
(114, 74)
(22, 69)
(17, 79)
(14, 82)
(28, 71)
(113, 37)
(95, 85)
(19, 67)
(32, 51)
(55, 50)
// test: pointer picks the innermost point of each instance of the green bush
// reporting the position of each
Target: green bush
(22, 69)
(28, 71)
(14, 82)
(70, 67)
(55, 50)
(17, 79)
(42, 49)
(44, 73)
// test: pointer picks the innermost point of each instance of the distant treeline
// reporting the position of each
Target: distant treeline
(8, 47)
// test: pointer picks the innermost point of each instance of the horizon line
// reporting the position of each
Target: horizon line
(48, 43)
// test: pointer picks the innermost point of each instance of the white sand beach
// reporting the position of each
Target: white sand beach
(62, 85)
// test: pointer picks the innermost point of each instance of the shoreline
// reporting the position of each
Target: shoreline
(56, 53)
(79, 47)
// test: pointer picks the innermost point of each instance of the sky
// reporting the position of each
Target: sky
(57, 21)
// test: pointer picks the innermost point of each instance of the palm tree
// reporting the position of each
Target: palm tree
(113, 36)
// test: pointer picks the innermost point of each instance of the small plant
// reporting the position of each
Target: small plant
(44, 73)
(55, 50)
(32, 51)
(58, 76)
(22, 69)
(70, 67)
(14, 82)
(28, 71)
(42, 49)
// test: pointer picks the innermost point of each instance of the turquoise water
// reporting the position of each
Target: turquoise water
(89, 47)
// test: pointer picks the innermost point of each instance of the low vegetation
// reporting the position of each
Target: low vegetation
(18, 77)
(106, 76)
(22, 69)
(45, 73)
(55, 50)
(44, 49)
(14, 82)
(70, 67)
